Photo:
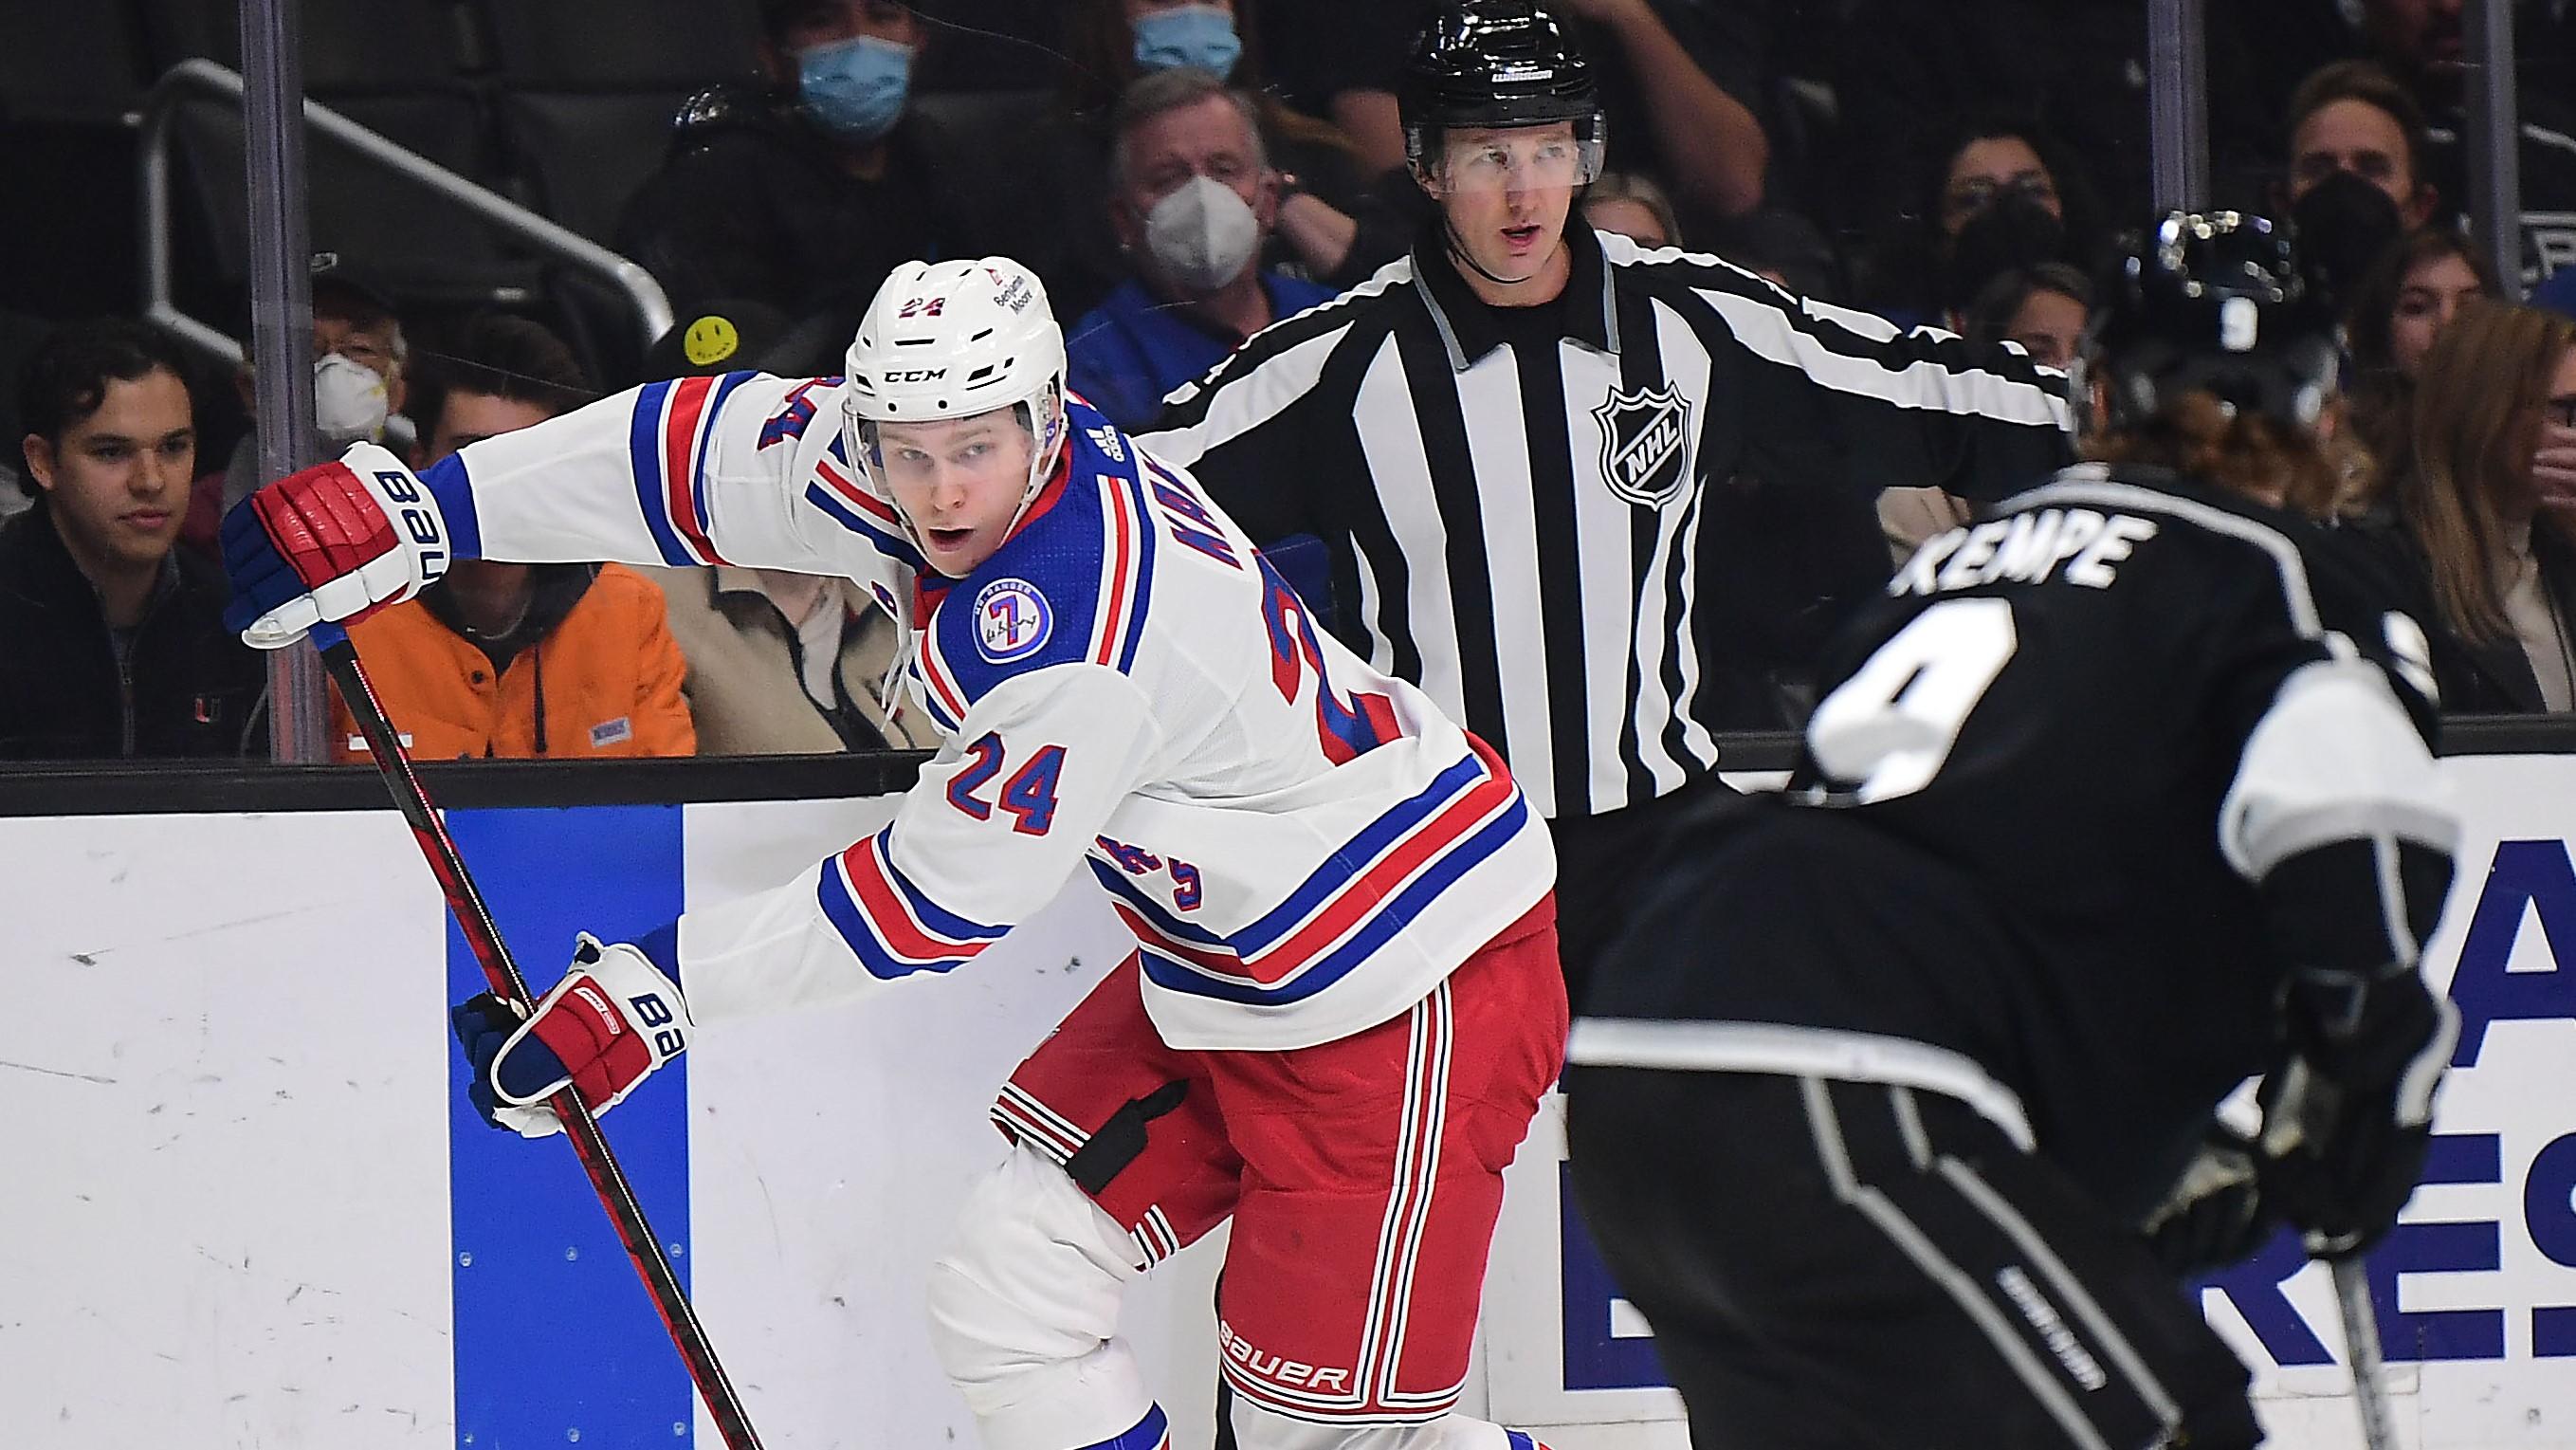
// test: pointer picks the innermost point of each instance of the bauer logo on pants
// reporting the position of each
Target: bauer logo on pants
(1645, 443)
(1011, 620)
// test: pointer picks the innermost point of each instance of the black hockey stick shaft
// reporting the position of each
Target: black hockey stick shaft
(465, 900)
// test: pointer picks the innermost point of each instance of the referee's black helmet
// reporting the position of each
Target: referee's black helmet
(1495, 63)
(2211, 302)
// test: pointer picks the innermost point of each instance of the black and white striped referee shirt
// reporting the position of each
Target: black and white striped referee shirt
(1517, 502)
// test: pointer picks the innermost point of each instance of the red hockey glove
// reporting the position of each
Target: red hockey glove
(337, 541)
(608, 1024)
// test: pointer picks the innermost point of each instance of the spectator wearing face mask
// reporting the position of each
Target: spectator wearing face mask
(804, 194)
(517, 661)
(2355, 173)
(112, 642)
(360, 362)
(2003, 196)
(1192, 200)
(1333, 221)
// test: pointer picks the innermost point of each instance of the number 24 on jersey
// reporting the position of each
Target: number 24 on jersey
(1028, 797)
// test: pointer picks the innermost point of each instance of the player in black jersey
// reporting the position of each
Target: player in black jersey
(2125, 795)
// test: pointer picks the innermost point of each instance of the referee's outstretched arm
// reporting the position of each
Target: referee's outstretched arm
(1908, 408)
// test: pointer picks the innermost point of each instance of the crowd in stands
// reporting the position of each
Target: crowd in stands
(1184, 173)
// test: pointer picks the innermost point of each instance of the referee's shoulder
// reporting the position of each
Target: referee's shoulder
(1327, 321)
(1678, 268)
(1737, 298)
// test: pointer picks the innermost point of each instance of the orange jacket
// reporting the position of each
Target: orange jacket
(603, 681)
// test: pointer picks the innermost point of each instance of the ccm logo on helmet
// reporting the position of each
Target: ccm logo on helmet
(417, 521)
(913, 375)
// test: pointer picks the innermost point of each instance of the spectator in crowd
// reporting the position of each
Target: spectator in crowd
(2041, 307)
(2002, 196)
(1785, 248)
(1902, 72)
(804, 193)
(112, 641)
(778, 663)
(2355, 178)
(1335, 223)
(360, 358)
(2352, 118)
(1635, 206)
(518, 660)
(2495, 407)
(1192, 198)
(1686, 85)
(2402, 304)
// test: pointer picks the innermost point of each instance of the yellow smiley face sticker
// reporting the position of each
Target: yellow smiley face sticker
(710, 339)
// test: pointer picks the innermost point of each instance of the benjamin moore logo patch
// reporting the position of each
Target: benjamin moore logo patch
(1011, 620)
(1645, 444)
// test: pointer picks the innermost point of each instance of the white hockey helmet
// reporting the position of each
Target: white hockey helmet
(952, 340)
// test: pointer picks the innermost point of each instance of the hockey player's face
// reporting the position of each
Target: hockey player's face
(1506, 193)
(959, 481)
(117, 480)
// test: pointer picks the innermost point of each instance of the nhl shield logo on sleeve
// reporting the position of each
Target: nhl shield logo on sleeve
(1011, 620)
(1645, 444)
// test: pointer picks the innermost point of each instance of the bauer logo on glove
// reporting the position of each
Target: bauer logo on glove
(605, 1027)
(335, 542)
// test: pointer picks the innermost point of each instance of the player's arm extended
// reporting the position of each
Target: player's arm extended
(694, 471)
(986, 837)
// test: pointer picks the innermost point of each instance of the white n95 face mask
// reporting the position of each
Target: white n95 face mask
(349, 399)
(1202, 236)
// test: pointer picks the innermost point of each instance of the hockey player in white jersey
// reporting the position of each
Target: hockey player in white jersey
(1345, 1000)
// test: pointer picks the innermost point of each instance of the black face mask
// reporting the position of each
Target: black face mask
(2013, 231)
(2343, 224)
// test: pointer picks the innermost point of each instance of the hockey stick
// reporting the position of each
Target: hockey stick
(466, 902)
(2361, 1347)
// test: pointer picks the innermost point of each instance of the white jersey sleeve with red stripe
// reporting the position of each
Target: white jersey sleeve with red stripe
(1303, 847)
(743, 468)
(984, 838)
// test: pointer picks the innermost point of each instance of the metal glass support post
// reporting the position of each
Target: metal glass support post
(2494, 137)
(2177, 104)
(281, 314)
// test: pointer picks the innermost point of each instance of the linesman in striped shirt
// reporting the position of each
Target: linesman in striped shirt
(1566, 484)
